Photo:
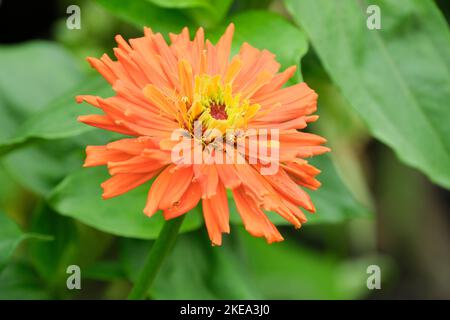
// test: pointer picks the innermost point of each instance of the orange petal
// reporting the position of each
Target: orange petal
(157, 190)
(208, 178)
(158, 98)
(302, 174)
(187, 202)
(228, 175)
(186, 79)
(255, 221)
(100, 155)
(254, 62)
(168, 188)
(133, 146)
(288, 189)
(103, 69)
(223, 48)
(138, 164)
(106, 123)
(216, 215)
(277, 82)
(124, 182)
(180, 180)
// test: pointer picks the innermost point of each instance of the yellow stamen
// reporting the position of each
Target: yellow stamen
(215, 105)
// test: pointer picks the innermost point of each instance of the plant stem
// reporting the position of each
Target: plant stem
(159, 251)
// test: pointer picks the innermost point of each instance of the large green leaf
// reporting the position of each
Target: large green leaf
(40, 167)
(144, 13)
(289, 44)
(396, 78)
(33, 74)
(333, 201)
(346, 134)
(79, 197)
(168, 16)
(48, 112)
(58, 119)
(10, 237)
(204, 12)
(52, 160)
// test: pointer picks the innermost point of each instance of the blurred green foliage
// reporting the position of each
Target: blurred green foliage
(391, 84)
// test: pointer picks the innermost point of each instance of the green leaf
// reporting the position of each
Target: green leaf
(79, 196)
(396, 78)
(8, 120)
(51, 162)
(346, 134)
(10, 237)
(143, 13)
(9, 192)
(169, 16)
(334, 202)
(206, 13)
(182, 4)
(58, 119)
(52, 258)
(242, 5)
(211, 272)
(20, 281)
(288, 43)
(33, 74)
(72, 245)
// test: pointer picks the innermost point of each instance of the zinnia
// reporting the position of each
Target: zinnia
(163, 87)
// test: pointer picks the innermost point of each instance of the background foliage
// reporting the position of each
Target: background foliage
(384, 107)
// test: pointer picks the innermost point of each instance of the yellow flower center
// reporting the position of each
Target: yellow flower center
(216, 107)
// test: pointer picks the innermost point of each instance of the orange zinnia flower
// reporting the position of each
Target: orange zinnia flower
(161, 88)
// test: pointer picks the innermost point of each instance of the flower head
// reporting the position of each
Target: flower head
(230, 121)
